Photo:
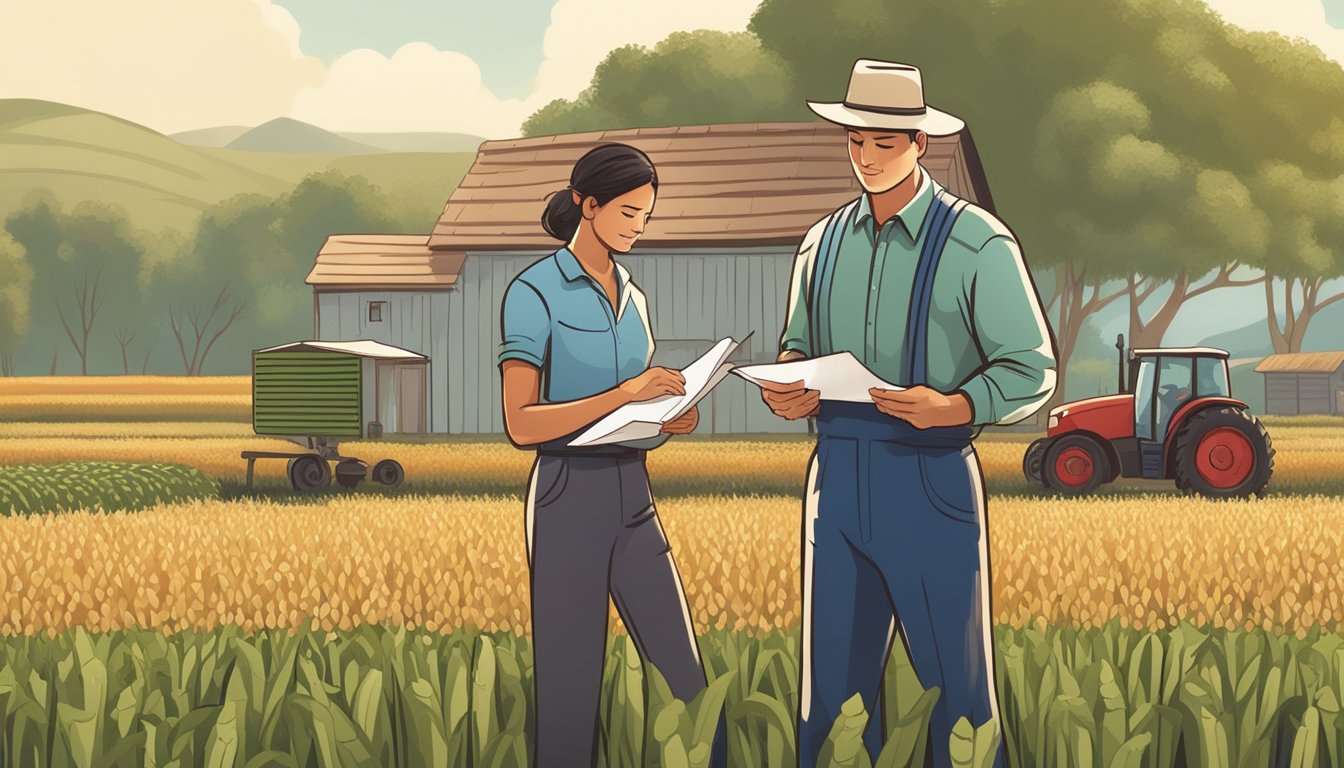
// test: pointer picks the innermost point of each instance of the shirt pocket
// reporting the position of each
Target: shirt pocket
(583, 352)
(949, 483)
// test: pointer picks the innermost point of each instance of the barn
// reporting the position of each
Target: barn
(734, 201)
(1304, 382)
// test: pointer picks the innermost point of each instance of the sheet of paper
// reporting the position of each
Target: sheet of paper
(837, 377)
(645, 419)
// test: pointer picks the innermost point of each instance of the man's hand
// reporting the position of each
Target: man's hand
(791, 401)
(683, 424)
(923, 407)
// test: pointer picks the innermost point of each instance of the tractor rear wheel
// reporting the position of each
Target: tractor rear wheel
(1075, 465)
(1223, 453)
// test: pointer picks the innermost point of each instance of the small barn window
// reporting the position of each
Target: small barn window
(376, 311)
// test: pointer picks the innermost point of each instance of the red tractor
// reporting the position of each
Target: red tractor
(1175, 418)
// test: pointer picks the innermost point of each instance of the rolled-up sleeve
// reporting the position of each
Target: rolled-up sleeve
(526, 325)
(797, 335)
(1018, 375)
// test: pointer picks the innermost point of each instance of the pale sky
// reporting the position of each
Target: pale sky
(385, 65)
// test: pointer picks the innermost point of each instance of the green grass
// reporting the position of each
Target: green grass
(381, 696)
(109, 485)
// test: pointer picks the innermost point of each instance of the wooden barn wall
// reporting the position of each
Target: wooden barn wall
(414, 321)
(696, 296)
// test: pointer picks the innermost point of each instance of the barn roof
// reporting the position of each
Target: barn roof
(746, 184)
(1302, 362)
(354, 262)
(358, 348)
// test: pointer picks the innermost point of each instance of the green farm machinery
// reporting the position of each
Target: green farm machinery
(317, 393)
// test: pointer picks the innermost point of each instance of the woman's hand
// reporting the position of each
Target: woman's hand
(684, 424)
(652, 383)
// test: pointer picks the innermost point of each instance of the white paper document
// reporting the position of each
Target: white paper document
(837, 377)
(638, 421)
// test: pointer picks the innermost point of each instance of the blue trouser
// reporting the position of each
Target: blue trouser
(894, 540)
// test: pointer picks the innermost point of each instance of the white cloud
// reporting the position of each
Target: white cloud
(583, 32)
(418, 88)
(180, 64)
(168, 64)
(1294, 18)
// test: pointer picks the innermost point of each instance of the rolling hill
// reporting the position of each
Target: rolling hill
(295, 137)
(81, 154)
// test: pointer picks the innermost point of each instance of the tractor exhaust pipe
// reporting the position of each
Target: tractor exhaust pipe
(1120, 345)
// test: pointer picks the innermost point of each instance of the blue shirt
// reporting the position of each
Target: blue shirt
(559, 319)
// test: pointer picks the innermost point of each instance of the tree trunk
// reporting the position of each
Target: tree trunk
(1079, 297)
(52, 372)
(1287, 337)
(145, 365)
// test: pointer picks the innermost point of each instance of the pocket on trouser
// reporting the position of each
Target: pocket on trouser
(552, 475)
(952, 483)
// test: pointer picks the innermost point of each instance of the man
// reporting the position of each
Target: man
(930, 293)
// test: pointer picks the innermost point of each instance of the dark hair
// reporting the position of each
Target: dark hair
(606, 172)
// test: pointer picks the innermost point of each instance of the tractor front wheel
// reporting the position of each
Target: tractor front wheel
(1223, 453)
(388, 472)
(1033, 459)
(1075, 465)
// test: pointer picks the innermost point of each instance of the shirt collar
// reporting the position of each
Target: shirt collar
(573, 270)
(911, 217)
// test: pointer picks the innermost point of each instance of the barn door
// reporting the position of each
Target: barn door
(411, 398)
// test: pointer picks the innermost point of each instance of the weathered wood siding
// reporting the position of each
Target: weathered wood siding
(696, 296)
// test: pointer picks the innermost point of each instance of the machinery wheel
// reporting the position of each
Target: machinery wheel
(309, 473)
(1075, 465)
(388, 472)
(1223, 452)
(349, 472)
(1033, 459)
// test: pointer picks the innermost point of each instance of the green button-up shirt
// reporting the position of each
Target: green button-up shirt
(988, 337)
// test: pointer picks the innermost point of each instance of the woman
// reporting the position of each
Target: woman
(576, 346)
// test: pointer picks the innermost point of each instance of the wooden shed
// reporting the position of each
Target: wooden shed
(733, 203)
(1304, 382)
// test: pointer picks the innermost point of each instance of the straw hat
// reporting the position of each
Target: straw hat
(887, 95)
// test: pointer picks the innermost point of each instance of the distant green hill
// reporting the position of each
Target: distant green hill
(80, 154)
(293, 136)
(219, 136)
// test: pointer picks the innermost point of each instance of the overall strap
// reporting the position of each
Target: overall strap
(823, 270)
(942, 214)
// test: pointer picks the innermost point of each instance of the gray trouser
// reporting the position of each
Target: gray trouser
(592, 531)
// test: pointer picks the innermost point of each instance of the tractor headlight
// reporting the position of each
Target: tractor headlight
(1054, 421)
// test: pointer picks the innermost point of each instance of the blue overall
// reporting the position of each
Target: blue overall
(894, 540)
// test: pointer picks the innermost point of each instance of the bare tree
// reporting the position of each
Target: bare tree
(89, 305)
(201, 327)
(1288, 334)
(8, 363)
(124, 338)
(52, 372)
(144, 367)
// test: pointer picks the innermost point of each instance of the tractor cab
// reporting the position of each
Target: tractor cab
(1173, 417)
(1164, 380)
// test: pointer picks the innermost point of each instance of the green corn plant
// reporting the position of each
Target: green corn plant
(975, 747)
(844, 747)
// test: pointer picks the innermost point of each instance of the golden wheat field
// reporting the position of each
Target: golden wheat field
(1309, 459)
(445, 562)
